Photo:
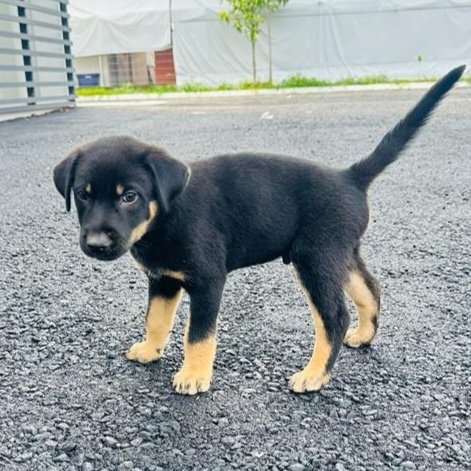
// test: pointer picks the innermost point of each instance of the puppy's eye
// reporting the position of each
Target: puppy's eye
(81, 195)
(129, 197)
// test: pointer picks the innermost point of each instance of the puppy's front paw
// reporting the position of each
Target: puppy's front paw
(191, 382)
(305, 381)
(144, 352)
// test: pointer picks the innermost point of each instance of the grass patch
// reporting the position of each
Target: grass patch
(299, 81)
(195, 87)
(125, 89)
(296, 81)
(248, 85)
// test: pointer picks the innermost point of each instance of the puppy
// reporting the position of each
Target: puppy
(188, 226)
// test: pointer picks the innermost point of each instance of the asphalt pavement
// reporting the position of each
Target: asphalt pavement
(69, 400)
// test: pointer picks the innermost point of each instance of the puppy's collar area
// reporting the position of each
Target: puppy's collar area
(158, 272)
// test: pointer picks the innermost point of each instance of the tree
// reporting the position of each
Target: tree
(246, 16)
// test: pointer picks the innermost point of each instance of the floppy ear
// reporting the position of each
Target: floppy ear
(170, 176)
(64, 174)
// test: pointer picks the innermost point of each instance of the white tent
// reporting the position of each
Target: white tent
(327, 39)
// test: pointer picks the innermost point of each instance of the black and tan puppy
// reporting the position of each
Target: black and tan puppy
(188, 226)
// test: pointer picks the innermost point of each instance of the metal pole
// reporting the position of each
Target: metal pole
(171, 23)
(68, 61)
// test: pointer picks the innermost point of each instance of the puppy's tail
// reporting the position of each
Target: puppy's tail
(395, 141)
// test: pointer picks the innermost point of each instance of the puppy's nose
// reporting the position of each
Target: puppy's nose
(98, 240)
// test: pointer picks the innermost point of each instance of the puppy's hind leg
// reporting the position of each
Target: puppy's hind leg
(165, 295)
(364, 291)
(322, 285)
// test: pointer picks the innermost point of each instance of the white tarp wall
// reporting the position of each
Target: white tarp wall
(101, 27)
(329, 39)
(104, 27)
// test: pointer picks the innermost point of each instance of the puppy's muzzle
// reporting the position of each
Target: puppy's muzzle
(100, 244)
(98, 241)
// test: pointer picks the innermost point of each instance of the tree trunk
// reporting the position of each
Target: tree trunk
(254, 64)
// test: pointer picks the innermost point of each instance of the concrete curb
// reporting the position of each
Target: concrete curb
(25, 114)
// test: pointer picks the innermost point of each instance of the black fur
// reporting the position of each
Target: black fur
(235, 211)
(170, 177)
(64, 175)
(163, 286)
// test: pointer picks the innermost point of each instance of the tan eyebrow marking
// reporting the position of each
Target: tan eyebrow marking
(88, 188)
(119, 189)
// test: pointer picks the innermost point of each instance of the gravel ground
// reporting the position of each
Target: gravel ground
(69, 399)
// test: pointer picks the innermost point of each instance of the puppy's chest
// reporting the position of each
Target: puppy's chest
(157, 263)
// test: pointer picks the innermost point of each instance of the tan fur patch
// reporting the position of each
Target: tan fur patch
(314, 375)
(160, 318)
(367, 309)
(141, 266)
(177, 275)
(159, 323)
(88, 188)
(119, 189)
(322, 347)
(197, 369)
(141, 229)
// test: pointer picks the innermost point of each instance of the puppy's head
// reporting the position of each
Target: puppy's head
(120, 186)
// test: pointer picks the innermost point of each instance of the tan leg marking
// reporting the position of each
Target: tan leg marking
(197, 369)
(159, 322)
(141, 229)
(314, 376)
(368, 311)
